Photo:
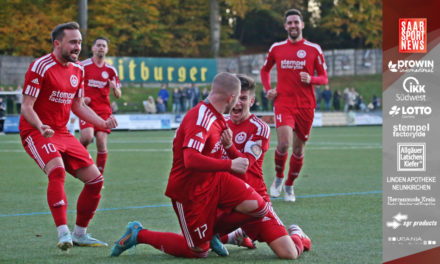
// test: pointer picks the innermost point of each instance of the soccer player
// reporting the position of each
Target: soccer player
(99, 78)
(200, 181)
(294, 100)
(53, 86)
(249, 137)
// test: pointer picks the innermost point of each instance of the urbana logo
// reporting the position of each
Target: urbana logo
(410, 111)
(411, 66)
(415, 92)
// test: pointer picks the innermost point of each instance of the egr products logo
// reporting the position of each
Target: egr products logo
(412, 35)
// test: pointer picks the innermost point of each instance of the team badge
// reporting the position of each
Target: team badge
(73, 81)
(240, 138)
(301, 54)
(104, 75)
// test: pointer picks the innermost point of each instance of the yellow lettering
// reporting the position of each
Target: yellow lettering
(203, 71)
(109, 61)
(145, 72)
(158, 73)
(182, 74)
(170, 73)
(192, 74)
(121, 69)
(131, 66)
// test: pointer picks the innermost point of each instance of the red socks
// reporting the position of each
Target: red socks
(101, 159)
(170, 243)
(88, 201)
(298, 244)
(280, 163)
(56, 196)
(296, 163)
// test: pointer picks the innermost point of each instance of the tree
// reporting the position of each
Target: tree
(361, 19)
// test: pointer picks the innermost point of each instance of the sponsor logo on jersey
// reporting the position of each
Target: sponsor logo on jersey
(240, 137)
(61, 97)
(412, 35)
(301, 54)
(104, 75)
(293, 64)
(73, 81)
(411, 66)
(96, 83)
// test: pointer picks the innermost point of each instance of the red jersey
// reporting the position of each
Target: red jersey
(291, 59)
(55, 86)
(200, 130)
(96, 85)
(252, 130)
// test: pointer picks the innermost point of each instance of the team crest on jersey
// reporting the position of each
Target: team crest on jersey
(104, 75)
(73, 81)
(240, 137)
(301, 54)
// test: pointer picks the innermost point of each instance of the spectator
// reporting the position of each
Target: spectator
(10, 101)
(264, 101)
(352, 98)
(182, 99)
(164, 94)
(345, 96)
(176, 100)
(189, 95)
(114, 107)
(376, 102)
(205, 93)
(327, 96)
(360, 104)
(2, 113)
(318, 97)
(18, 98)
(196, 92)
(150, 105)
(337, 100)
(160, 105)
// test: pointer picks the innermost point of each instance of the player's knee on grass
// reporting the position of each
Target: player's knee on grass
(284, 248)
(201, 251)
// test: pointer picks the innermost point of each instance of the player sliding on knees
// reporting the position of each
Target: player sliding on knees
(248, 137)
(200, 180)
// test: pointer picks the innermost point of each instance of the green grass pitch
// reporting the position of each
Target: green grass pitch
(339, 200)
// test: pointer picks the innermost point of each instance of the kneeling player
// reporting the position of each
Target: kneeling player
(249, 137)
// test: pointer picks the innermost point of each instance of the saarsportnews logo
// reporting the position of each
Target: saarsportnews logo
(411, 66)
(410, 111)
(412, 35)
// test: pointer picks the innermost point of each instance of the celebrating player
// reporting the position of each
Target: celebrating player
(99, 78)
(53, 86)
(199, 181)
(249, 137)
(297, 60)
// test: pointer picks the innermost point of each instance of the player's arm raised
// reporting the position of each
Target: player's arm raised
(231, 150)
(27, 110)
(84, 112)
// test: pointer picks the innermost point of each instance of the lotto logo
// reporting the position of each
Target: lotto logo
(412, 35)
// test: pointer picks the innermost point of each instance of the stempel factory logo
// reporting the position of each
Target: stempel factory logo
(412, 35)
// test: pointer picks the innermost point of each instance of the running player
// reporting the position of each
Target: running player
(99, 78)
(249, 137)
(53, 86)
(297, 60)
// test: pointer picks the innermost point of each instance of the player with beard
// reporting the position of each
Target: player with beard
(249, 137)
(99, 78)
(200, 180)
(53, 86)
(297, 61)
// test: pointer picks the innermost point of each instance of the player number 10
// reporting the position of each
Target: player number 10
(201, 230)
(49, 148)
